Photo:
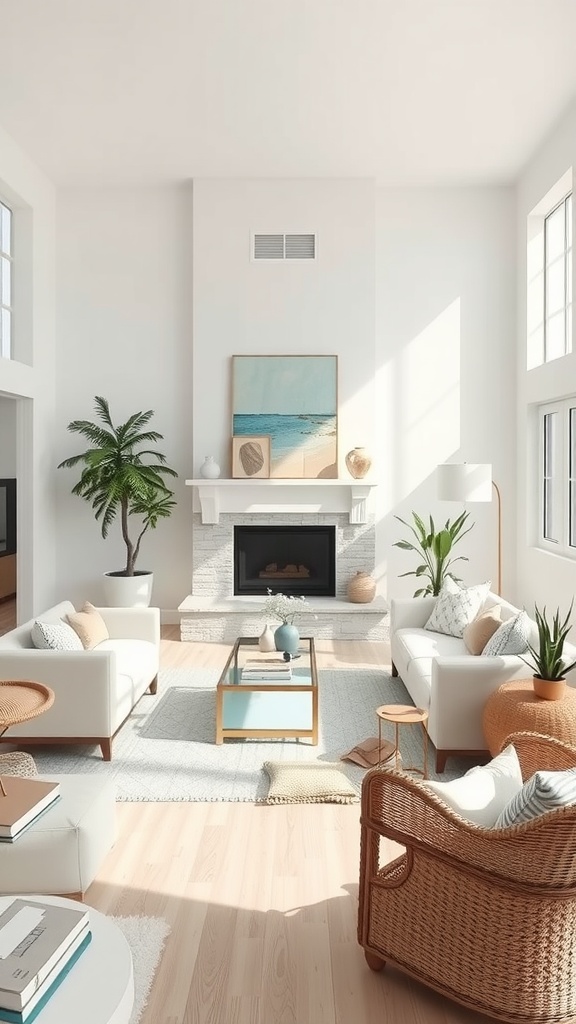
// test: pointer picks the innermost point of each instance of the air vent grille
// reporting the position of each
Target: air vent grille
(284, 247)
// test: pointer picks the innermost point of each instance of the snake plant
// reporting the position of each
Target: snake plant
(547, 659)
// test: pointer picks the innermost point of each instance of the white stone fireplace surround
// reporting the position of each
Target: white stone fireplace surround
(212, 612)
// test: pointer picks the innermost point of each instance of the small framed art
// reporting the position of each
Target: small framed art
(251, 456)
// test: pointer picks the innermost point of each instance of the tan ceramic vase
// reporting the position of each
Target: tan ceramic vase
(362, 588)
(358, 462)
(549, 689)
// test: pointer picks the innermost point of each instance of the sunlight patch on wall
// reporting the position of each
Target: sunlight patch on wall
(429, 399)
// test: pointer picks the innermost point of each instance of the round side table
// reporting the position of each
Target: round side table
(22, 699)
(514, 707)
(404, 714)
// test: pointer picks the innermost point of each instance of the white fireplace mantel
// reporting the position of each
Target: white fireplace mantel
(278, 496)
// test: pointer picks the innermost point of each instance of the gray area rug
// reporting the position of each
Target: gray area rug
(166, 749)
(146, 937)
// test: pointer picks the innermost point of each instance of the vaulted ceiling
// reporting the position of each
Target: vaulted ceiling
(404, 91)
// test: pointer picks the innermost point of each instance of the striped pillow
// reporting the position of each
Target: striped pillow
(545, 791)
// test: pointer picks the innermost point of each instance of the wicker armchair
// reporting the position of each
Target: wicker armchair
(485, 916)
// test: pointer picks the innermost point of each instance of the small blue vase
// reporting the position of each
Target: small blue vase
(287, 638)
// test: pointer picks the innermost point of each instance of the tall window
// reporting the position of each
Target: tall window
(558, 281)
(557, 426)
(5, 281)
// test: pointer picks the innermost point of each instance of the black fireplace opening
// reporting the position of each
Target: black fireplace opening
(287, 559)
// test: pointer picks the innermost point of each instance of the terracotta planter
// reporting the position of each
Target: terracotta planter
(549, 689)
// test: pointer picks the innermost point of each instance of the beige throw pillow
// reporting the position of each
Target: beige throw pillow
(89, 625)
(478, 633)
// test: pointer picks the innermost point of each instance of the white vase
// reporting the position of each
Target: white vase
(266, 641)
(210, 469)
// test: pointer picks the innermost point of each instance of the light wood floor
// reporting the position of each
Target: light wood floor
(262, 902)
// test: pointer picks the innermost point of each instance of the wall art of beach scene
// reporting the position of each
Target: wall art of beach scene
(294, 400)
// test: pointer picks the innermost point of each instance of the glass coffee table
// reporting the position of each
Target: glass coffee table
(267, 708)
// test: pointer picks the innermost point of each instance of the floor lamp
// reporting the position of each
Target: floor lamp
(471, 481)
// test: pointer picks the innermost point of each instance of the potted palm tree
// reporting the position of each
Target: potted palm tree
(123, 476)
(434, 547)
(548, 662)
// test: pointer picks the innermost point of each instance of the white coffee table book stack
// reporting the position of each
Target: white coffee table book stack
(62, 961)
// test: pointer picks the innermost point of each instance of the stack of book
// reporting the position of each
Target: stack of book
(22, 801)
(267, 669)
(39, 944)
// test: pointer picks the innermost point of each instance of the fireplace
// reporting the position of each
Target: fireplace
(291, 559)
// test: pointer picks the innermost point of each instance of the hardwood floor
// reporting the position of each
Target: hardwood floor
(262, 902)
(7, 615)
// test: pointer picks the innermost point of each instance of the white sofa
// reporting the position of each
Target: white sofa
(441, 676)
(95, 690)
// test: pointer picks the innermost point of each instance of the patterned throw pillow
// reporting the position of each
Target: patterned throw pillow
(89, 625)
(482, 794)
(544, 791)
(456, 607)
(478, 633)
(511, 637)
(54, 636)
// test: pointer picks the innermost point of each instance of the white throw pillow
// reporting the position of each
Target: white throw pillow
(55, 636)
(456, 607)
(511, 637)
(544, 791)
(484, 791)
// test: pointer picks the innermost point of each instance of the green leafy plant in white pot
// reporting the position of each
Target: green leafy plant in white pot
(123, 476)
(434, 547)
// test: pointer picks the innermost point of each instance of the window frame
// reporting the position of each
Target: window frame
(566, 257)
(6, 344)
(562, 477)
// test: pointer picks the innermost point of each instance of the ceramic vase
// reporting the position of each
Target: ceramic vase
(362, 588)
(210, 469)
(358, 462)
(266, 640)
(287, 638)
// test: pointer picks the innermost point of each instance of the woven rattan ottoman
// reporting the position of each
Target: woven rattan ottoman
(514, 707)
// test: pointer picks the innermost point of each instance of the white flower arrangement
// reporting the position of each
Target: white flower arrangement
(285, 607)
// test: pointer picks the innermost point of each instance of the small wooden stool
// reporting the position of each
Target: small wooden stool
(404, 714)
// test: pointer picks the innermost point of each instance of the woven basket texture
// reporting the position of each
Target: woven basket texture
(514, 707)
(18, 763)
(485, 916)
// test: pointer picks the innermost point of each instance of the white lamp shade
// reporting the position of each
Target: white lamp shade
(464, 481)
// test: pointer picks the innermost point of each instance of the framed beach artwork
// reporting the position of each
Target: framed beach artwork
(251, 457)
(293, 400)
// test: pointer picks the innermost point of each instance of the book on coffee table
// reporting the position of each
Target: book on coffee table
(267, 668)
(35, 939)
(22, 800)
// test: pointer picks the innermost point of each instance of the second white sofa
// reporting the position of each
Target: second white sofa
(95, 690)
(445, 679)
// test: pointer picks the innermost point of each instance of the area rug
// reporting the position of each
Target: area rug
(166, 749)
(146, 937)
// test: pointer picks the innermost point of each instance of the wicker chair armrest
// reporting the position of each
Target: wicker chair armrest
(539, 854)
(541, 753)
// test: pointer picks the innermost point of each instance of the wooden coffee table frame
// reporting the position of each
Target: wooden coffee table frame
(231, 668)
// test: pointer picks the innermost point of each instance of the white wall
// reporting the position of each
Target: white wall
(288, 307)
(30, 375)
(125, 332)
(543, 577)
(446, 363)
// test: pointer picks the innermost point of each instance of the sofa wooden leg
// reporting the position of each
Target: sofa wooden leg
(375, 963)
(153, 688)
(441, 758)
(106, 748)
(394, 669)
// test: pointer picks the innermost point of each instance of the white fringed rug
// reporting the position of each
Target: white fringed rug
(166, 749)
(146, 937)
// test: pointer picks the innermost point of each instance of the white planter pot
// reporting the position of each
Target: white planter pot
(128, 591)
